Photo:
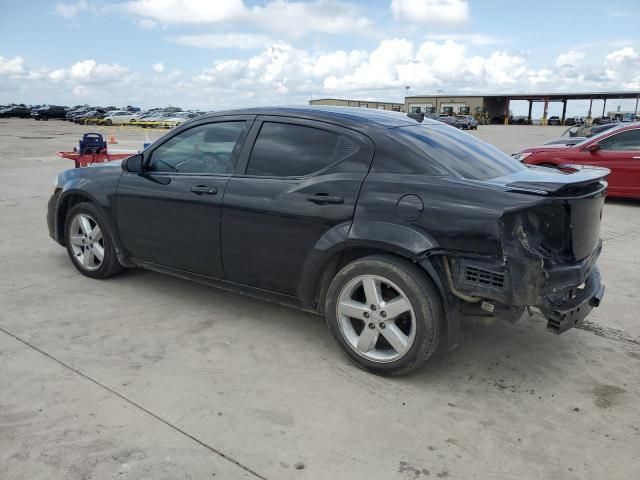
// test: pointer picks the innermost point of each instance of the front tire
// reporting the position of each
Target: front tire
(90, 243)
(385, 313)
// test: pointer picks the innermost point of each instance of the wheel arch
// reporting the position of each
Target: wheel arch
(69, 200)
(362, 240)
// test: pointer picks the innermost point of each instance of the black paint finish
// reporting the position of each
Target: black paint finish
(388, 184)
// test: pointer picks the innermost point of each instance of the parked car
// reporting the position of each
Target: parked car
(76, 111)
(617, 149)
(554, 120)
(586, 131)
(178, 118)
(48, 111)
(602, 121)
(630, 117)
(78, 115)
(15, 111)
(395, 249)
(450, 120)
(118, 117)
(92, 117)
(155, 119)
(467, 122)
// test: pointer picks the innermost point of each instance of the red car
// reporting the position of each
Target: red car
(617, 149)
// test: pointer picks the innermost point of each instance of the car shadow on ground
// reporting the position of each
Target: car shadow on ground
(493, 353)
(633, 202)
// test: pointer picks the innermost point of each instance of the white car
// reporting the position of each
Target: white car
(156, 119)
(178, 118)
(118, 117)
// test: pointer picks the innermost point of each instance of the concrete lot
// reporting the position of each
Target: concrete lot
(145, 376)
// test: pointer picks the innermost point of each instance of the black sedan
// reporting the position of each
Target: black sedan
(48, 111)
(395, 228)
(15, 111)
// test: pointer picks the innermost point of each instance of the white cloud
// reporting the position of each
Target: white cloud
(80, 90)
(158, 67)
(503, 69)
(289, 18)
(295, 19)
(147, 23)
(14, 66)
(623, 66)
(468, 38)
(622, 56)
(70, 10)
(283, 74)
(90, 70)
(187, 11)
(58, 74)
(431, 12)
(569, 58)
(225, 40)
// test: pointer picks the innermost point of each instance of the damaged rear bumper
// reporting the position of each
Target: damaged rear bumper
(564, 293)
(577, 304)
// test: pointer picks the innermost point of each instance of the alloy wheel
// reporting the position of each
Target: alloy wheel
(87, 243)
(376, 318)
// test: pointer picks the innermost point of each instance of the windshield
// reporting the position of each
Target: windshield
(459, 152)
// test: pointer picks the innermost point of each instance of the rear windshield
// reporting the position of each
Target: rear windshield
(459, 152)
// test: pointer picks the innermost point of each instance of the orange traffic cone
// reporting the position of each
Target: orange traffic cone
(112, 138)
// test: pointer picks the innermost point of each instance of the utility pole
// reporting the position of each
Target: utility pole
(406, 102)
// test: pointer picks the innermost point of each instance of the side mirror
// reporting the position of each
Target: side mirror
(133, 164)
(594, 147)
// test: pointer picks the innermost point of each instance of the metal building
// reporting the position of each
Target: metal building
(495, 108)
(395, 107)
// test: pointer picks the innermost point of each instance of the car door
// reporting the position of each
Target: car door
(169, 214)
(297, 183)
(620, 153)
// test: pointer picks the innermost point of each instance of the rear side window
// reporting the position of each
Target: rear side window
(287, 150)
(460, 153)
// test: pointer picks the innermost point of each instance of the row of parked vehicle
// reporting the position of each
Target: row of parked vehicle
(463, 122)
(87, 115)
(151, 118)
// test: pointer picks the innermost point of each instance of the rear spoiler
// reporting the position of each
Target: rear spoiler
(573, 176)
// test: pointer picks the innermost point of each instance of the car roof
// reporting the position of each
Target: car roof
(348, 115)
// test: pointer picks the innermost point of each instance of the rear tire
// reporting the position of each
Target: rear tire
(90, 242)
(385, 313)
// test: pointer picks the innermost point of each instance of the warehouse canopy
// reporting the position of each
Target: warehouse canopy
(543, 96)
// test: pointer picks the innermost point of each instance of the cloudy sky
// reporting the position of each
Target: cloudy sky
(215, 54)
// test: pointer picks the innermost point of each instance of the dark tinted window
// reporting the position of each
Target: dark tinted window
(203, 149)
(461, 153)
(286, 150)
(628, 140)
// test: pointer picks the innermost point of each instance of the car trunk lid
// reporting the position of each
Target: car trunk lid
(565, 222)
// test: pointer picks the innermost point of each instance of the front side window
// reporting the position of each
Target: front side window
(287, 150)
(628, 140)
(206, 149)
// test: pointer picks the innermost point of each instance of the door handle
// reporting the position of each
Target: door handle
(204, 190)
(325, 199)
